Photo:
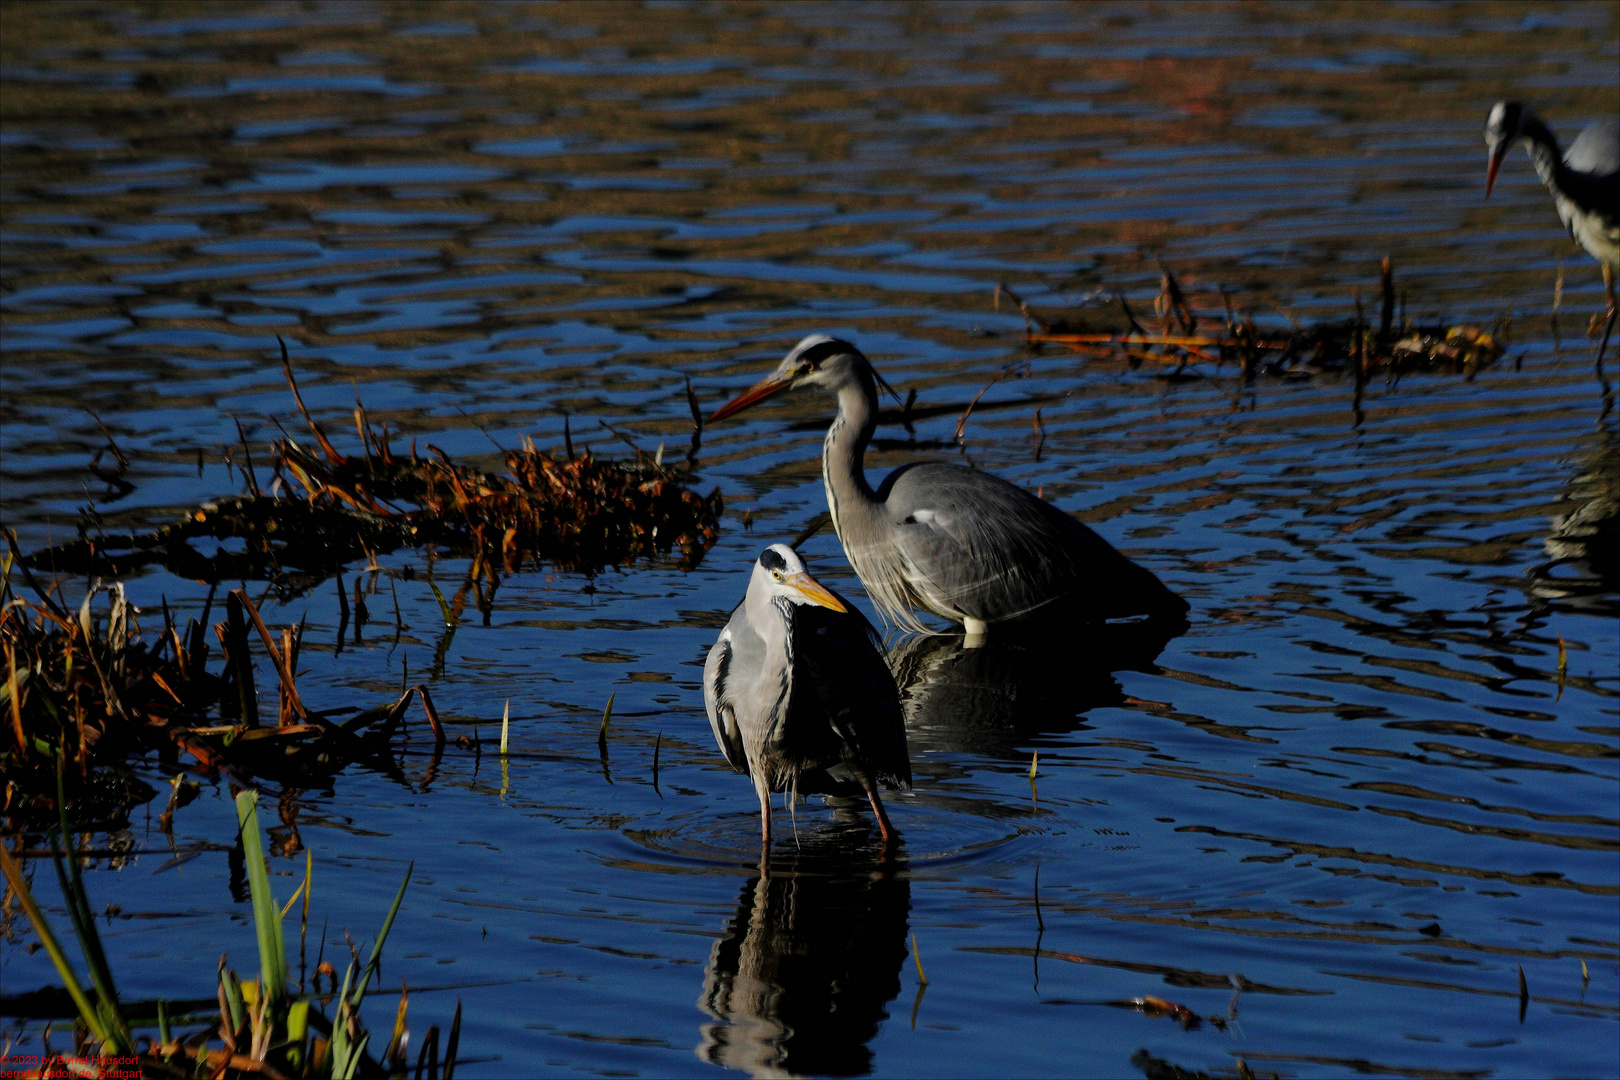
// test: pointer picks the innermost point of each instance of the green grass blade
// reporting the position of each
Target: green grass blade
(76, 916)
(53, 948)
(266, 915)
(444, 606)
(73, 891)
(84, 928)
(233, 997)
(453, 1045)
(375, 961)
(340, 1023)
(346, 1070)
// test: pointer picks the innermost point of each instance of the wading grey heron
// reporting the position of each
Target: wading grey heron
(949, 539)
(799, 695)
(1584, 180)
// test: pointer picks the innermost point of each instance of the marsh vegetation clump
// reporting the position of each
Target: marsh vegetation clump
(86, 694)
(1106, 326)
(89, 691)
(323, 509)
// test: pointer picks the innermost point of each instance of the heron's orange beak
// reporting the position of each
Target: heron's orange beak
(815, 591)
(1498, 152)
(752, 396)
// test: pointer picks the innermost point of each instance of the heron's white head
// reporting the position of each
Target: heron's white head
(780, 573)
(819, 360)
(1503, 127)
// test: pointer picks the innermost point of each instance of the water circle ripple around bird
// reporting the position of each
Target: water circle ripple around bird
(931, 833)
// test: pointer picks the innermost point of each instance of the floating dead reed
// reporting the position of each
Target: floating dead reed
(1106, 327)
(577, 512)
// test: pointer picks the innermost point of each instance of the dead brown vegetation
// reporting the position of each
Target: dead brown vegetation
(1107, 327)
(577, 512)
(87, 692)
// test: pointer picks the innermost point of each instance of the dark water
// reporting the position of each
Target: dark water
(1343, 810)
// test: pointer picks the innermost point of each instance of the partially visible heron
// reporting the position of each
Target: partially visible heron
(946, 538)
(799, 695)
(1584, 180)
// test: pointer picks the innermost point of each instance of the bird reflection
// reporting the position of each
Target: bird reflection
(988, 698)
(800, 982)
(1583, 547)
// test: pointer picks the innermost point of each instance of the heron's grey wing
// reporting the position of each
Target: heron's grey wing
(1597, 149)
(992, 551)
(721, 682)
(1589, 202)
(841, 663)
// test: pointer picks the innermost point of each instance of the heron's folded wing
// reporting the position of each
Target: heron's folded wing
(717, 685)
(1594, 182)
(992, 550)
(842, 663)
(1596, 150)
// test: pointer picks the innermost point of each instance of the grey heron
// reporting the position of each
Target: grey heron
(799, 695)
(1584, 180)
(949, 539)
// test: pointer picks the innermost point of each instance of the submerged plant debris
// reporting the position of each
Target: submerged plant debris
(325, 508)
(1106, 326)
(85, 693)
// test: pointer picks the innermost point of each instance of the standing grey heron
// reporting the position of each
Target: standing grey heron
(799, 695)
(949, 539)
(1584, 181)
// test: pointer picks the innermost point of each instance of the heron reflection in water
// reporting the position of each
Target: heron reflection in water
(989, 698)
(800, 983)
(1583, 546)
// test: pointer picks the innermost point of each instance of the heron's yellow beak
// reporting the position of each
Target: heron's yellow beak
(752, 396)
(815, 591)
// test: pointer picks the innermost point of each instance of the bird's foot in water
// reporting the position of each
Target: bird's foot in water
(1603, 345)
(885, 826)
(975, 633)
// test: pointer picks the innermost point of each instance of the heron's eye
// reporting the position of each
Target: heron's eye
(777, 574)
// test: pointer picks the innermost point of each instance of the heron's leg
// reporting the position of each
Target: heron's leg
(1608, 328)
(764, 794)
(885, 826)
(1608, 322)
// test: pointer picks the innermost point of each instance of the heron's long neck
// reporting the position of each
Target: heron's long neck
(849, 496)
(1542, 146)
(769, 617)
(769, 620)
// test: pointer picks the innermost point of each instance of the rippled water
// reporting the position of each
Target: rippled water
(1339, 813)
